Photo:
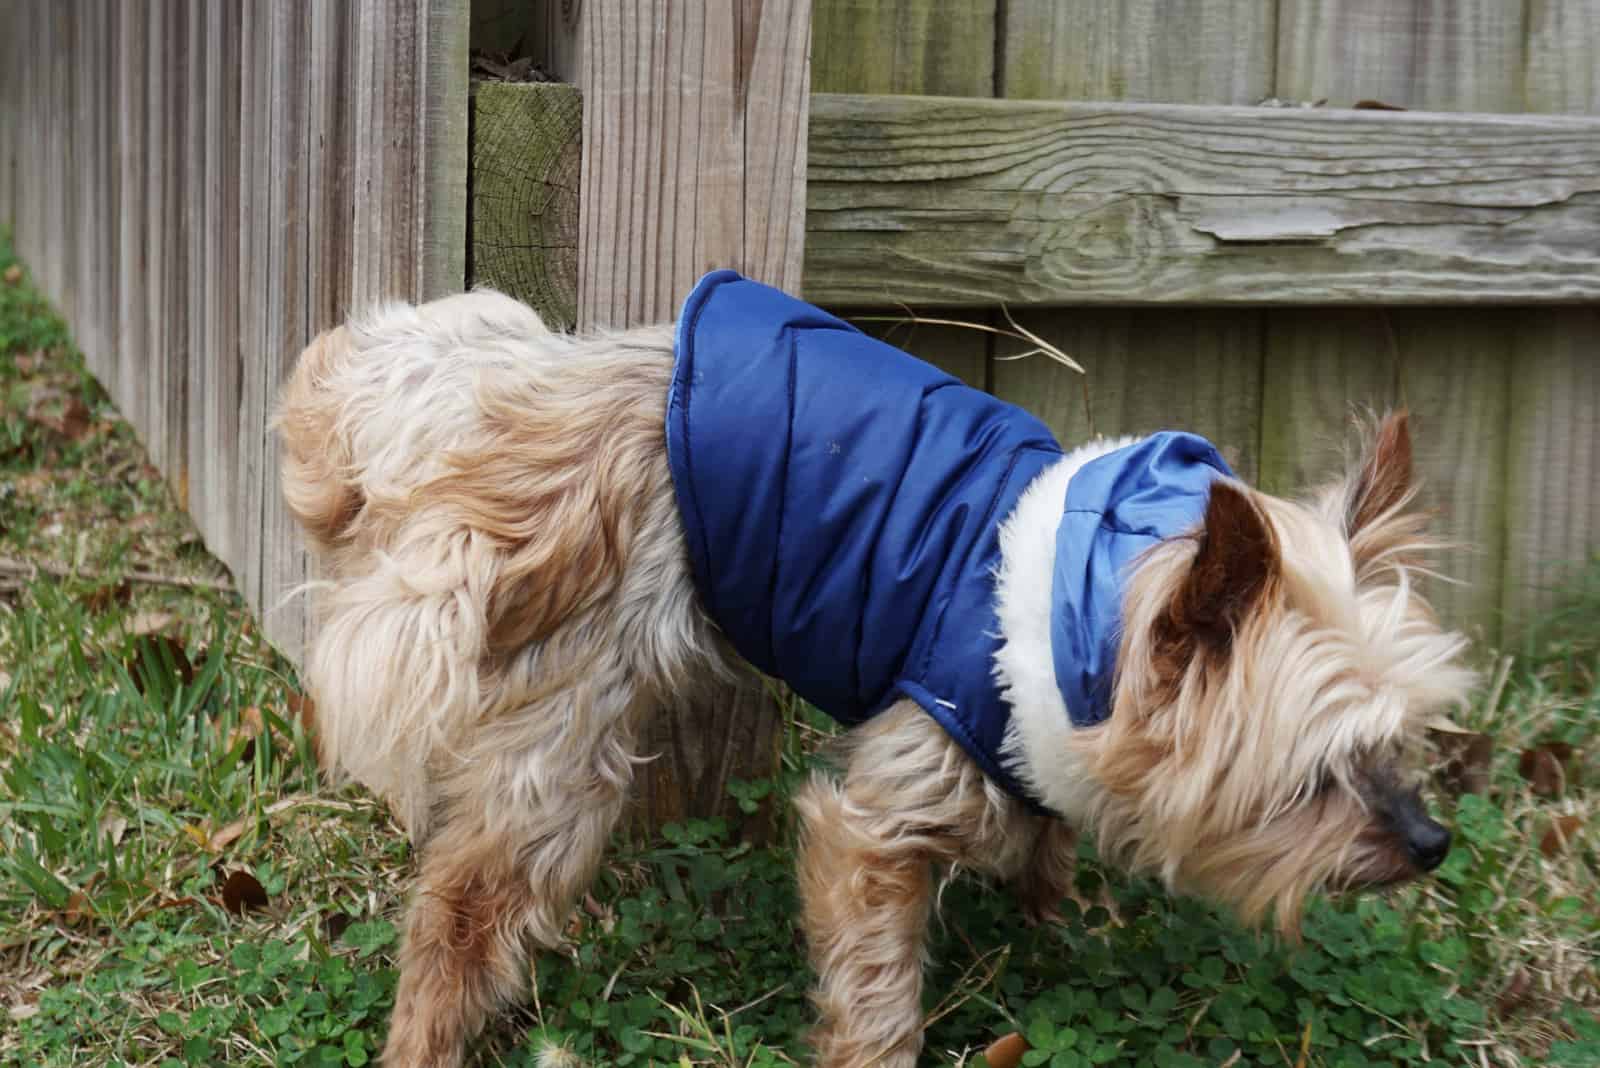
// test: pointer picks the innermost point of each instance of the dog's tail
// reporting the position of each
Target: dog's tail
(319, 480)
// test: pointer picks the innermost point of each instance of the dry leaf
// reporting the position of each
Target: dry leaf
(1514, 995)
(78, 912)
(107, 596)
(13, 274)
(141, 522)
(1563, 829)
(227, 835)
(1544, 766)
(34, 483)
(1377, 105)
(27, 363)
(1006, 1051)
(243, 892)
(23, 1011)
(74, 422)
(247, 730)
(143, 623)
(1464, 760)
(114, 825)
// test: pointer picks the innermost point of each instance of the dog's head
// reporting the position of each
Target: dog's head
(1274, 674)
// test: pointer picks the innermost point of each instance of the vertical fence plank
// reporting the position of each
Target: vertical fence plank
(1552, 498)
(286, 326)
(133, 244)
(180, 175)
(931, 47)
(1460, 56)
(1196, 52)
(694, 118)
(1153, 368)
(922, 47)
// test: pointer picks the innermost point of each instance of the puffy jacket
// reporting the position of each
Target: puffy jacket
(841, 502)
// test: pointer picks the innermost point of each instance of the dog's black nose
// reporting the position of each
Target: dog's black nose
(1427, 843)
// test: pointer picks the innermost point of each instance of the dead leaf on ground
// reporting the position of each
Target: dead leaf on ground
(1562, 830)
(228, 834)
(23, 1010)
(1465, 756)
(107, 595)
(74, 422)
(1544, 766)
(249, 727)
(27, 363)
(34, 483)
(142, 522)
(1006, 1051)
(334, 924)
(243, 892)
(114, 825)
(142, 623)
(13, 274)
(78, 911)
(1514, 995)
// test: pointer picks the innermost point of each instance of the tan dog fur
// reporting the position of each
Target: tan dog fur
(509, 598)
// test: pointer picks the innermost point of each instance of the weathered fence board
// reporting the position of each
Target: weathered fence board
(1156, 367)
(1459, 372)
(925, 47)
(929, 47)
(978, 202)
(181, 175)
(1199, 51)
(695, 132)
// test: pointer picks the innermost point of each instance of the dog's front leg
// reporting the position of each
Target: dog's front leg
(867, 902)
(1050, 873)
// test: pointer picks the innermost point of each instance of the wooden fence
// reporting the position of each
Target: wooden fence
(1107, 170)
(201, 186)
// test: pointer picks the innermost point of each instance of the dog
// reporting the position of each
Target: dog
(534, 541)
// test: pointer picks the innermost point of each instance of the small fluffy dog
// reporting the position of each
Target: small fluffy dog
(534, 541)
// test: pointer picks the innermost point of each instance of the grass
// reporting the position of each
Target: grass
(177, 887)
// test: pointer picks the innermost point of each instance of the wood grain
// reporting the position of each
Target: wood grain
(975, 202)
(933, 47)
(926, 48)
(694, 135)
(181, 176)
(1197, 52)
(694, 127)
(1552, 496)
(1450, 369)
(1465, 55)
(527, 158)
(1153, 368)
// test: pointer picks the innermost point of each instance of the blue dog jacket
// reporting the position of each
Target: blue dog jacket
(841, 502)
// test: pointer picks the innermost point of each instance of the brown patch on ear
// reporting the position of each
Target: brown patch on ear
(1237, 560)
(1385, 479)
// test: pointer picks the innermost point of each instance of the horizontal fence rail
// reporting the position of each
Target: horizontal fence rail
(978, 202)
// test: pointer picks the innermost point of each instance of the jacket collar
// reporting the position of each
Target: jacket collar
(1117, 506)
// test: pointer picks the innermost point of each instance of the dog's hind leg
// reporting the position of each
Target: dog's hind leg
(520, 836)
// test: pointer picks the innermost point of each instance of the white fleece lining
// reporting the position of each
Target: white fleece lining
(1036, 740)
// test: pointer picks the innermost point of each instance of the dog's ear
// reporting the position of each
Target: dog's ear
(1237, 561)
(1384, 481)
(1383, 532)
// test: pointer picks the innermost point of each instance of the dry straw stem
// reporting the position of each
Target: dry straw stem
(1018, 332)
